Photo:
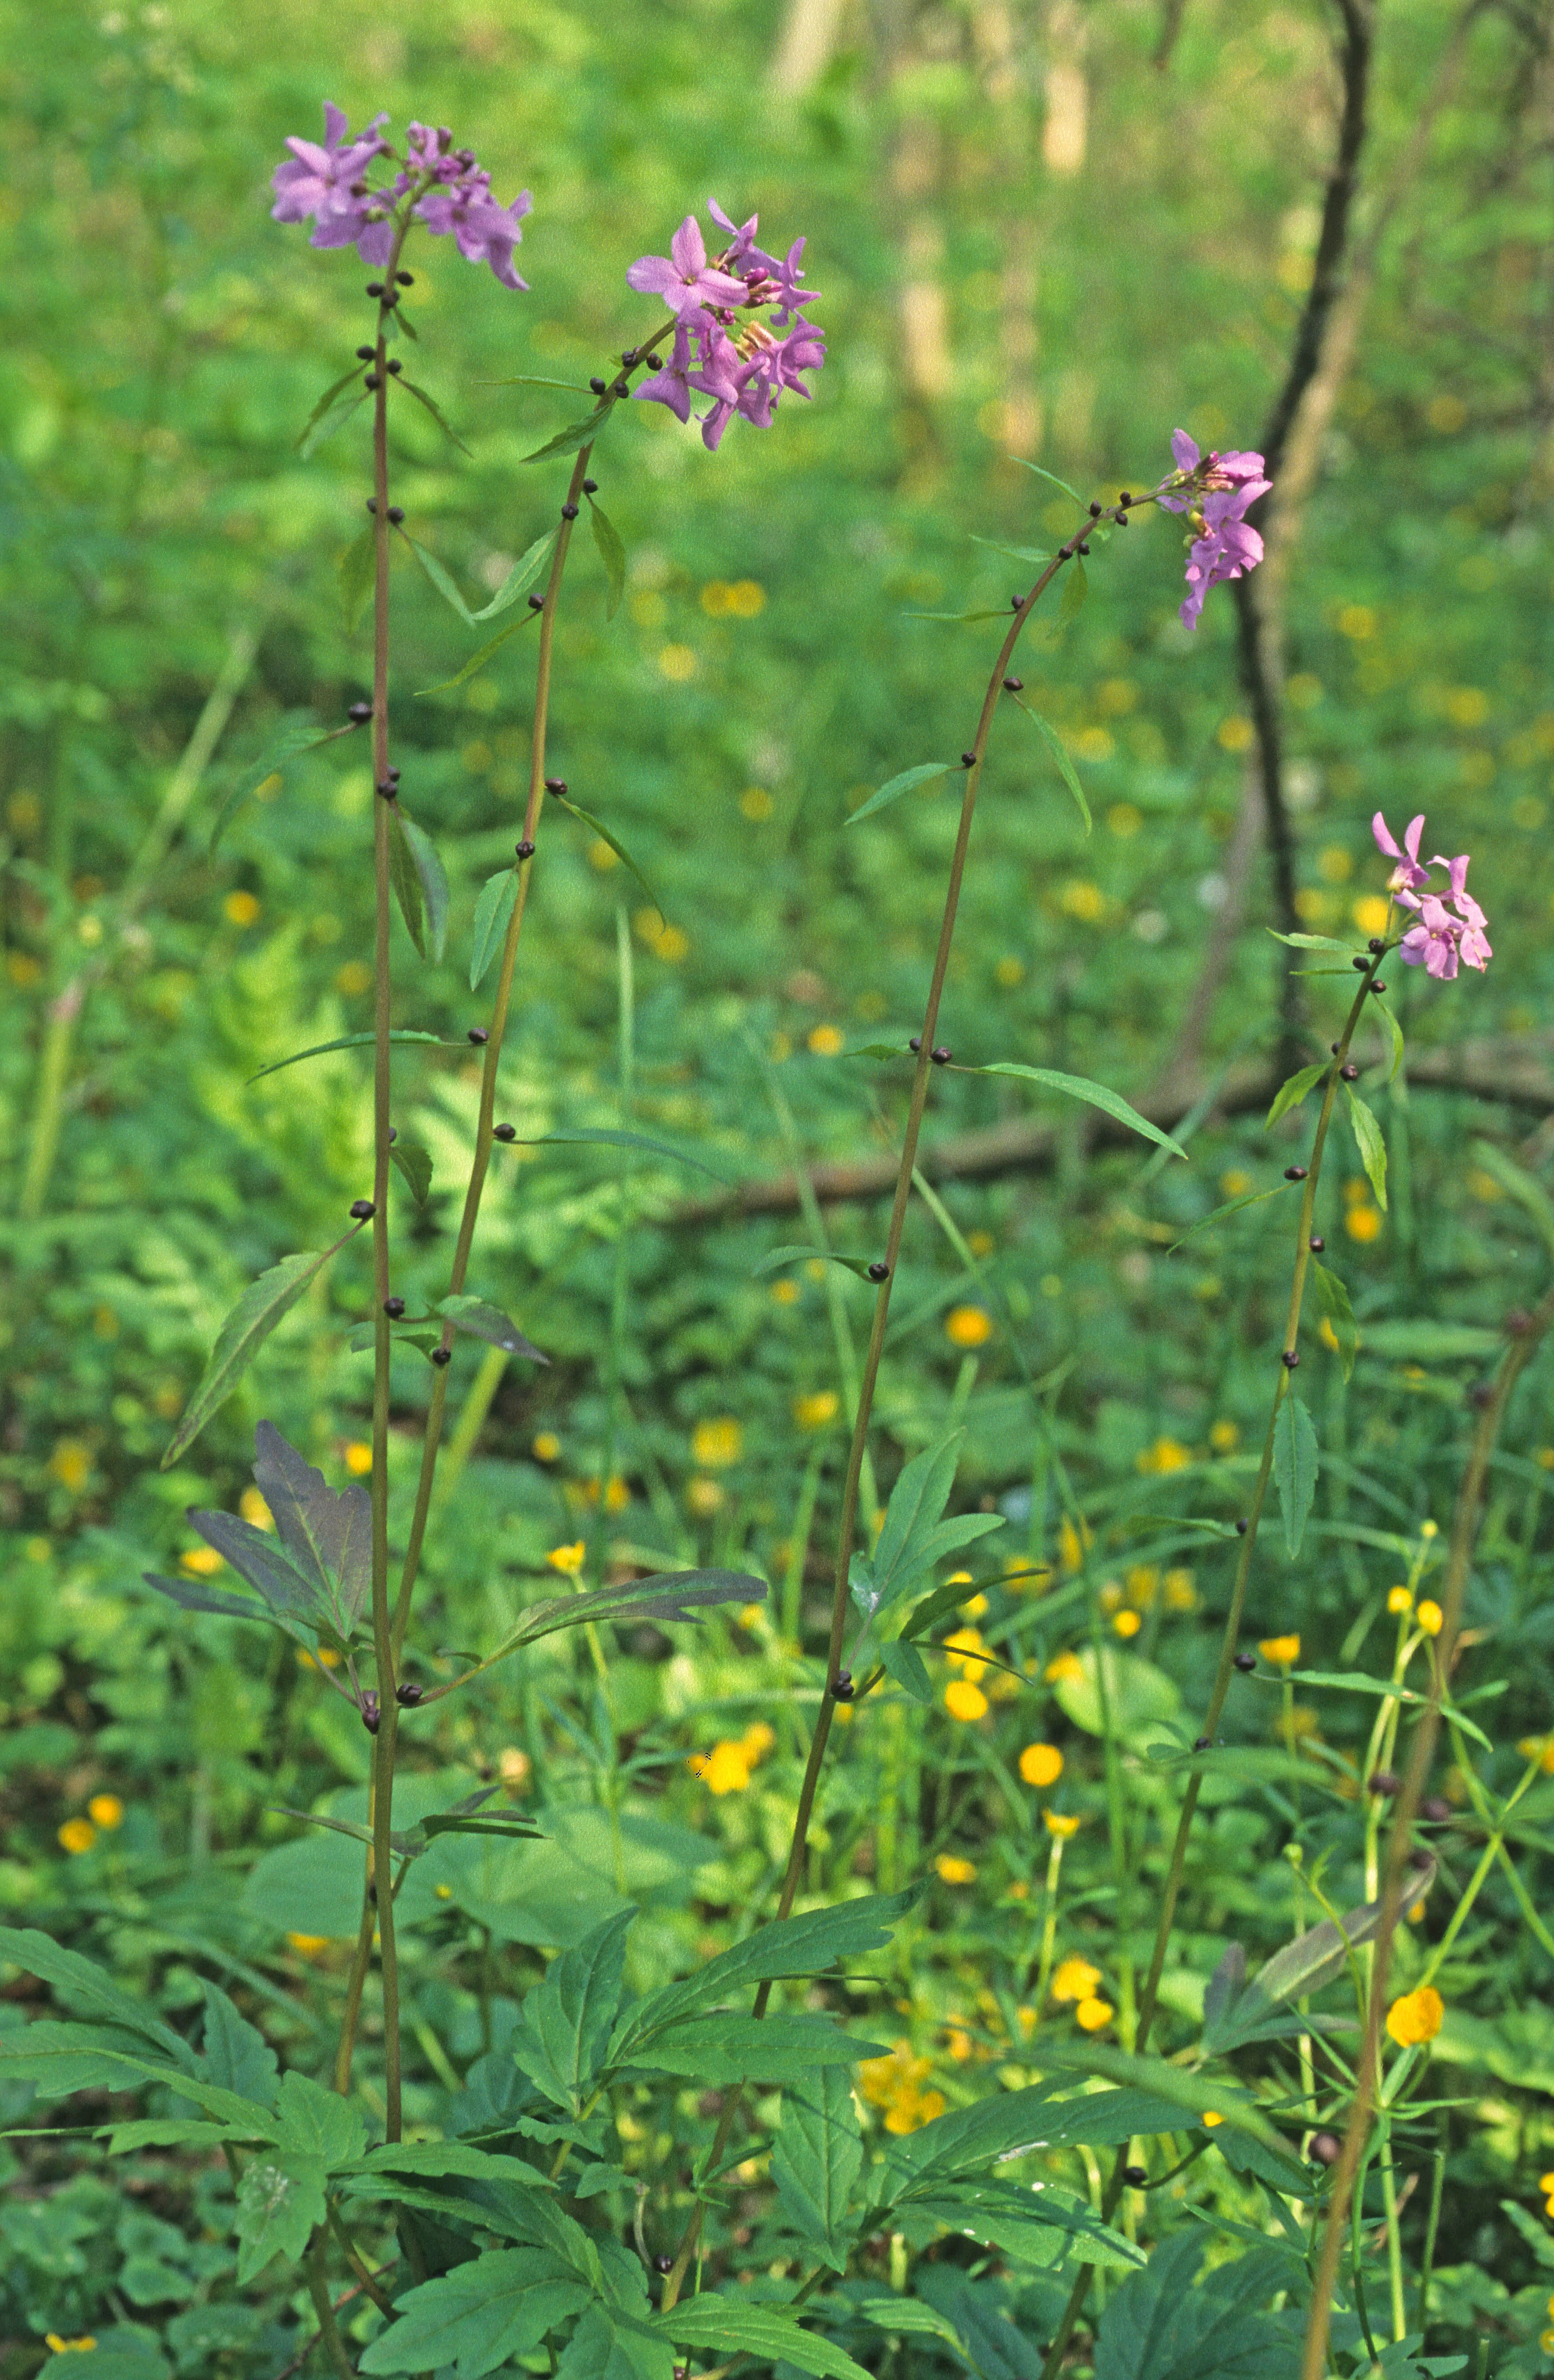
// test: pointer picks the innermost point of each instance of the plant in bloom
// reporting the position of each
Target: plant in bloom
(569, 1559)
(720, 350)
(1041, 1764)
(1075, 1980)
(1438, 940)
(77, 1835)
(437, 184)
(726, 1768)
(1093, 2014)
(967, 1326)
(896, 2084)
(1062, 1825)
(717, 1444)
(1215, 491)
(964, 1700)
(1283, 1652)
(955, 1871)
(1417, 2016)
(1430, 1617)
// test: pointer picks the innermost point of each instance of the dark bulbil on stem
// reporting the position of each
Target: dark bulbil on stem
(1245, 1662)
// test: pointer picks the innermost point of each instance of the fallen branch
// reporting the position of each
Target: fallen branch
(1514, 1071)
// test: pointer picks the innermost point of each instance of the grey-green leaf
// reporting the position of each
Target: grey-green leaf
(1059, 750)
(1077, 1086)
(491, 912)
(1293, 1090)
(485, 1321)
(1368, 1140)
(611, 552)
(245, 1330)
(816, 2162)
(357, 571)
(328, 1533)
(903, 1662)
(893, 791)
(1296, 1457)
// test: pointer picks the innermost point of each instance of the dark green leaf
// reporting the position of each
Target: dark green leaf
(415, 1164)
(478, 660)
(81, 1986)
(1049, 476)
(521, 577)
(535, 380)
(1020, 2222)
(335, 389)
(1340, 1313)
(824, 1255)
(488, 1322)
(1076, 1086)
(1295, 1458)
(667, 1595)
(434, 409)
(606, 2346)
(1368, 1140)
(280, 2203)
(724, 2049)
(577, 435)
(482, 2315)
(326, 425)
(245, 1330)
(611, 552)
(357, 575)
(255, 1556)
(1318, 1957)
(903, 1662)
(413, 860)
(1196, 2095)
(492, 913)
(816, 2162)
(192, 1596)
(618, 847)
(893, 791)
(327, 1534)
(352, 1041)
(1291, 1091)
(1059, 750)
(914, 1536)
(1157, 2325)
(720, 2325)
(1395, 1032)
(565, 2021)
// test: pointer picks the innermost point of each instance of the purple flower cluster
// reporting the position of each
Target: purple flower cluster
(719, 350)
(449, 192)
(1215, 491)
(1437, 942)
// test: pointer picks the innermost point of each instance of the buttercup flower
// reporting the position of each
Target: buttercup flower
(1075, 1980)
(1041, 1764)
(1417, 2016)
(720, 349)
(1449, 931)
(1092, 2014)
(955, 1871)
(1283, 1652)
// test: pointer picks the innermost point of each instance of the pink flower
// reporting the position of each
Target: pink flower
(1216, 493)
(683, 278)
(327, 184)
(1438, 940)
(720, 350)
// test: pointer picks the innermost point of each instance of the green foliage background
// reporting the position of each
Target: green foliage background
(166, 342)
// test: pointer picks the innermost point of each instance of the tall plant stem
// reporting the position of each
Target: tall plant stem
(1529, 1330)
(318, 2289)
(1225, 1668)
(799, 1842)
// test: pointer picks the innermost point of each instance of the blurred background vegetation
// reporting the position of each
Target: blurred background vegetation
(1042, 229)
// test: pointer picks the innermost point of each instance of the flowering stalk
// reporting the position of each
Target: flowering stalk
(1196, 481)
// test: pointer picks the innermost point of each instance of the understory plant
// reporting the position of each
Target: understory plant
(518, 2227)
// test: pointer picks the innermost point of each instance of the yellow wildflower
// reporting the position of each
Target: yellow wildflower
(1072, 1542)
(546, 1447)
(1181, 1595)
(704, 1496)
(1075, 1980)
(569, 1559)
(757, 1740)
(965, 1701)
(201, 1562)
(958, 2044)
(358, 1457)
(1399, 1601)
(83, 2345)
(1224, 1436)
(724, 1769)
(1056, 1824)
(308, 1946)
(1210, 2118)
(967, 1326)
(77, 1835)
(825, 1040)
(965, 1651)
(106, 1811)
(814, 1412)
(1282, 1651)
(254, 1510)
(514, 1768)
(1111, 1595)
(1362, 1223)
(1416, 2015)
(717, 1444)
(240, 908)
(1430, 1617)
(1166, 1455)
(913, 2109)
(1041, 1764)
(1092, 2015)
(1062, 1667)
(785, 1292)
(955, 1871)
(1126, 1623)
(1142, 1584)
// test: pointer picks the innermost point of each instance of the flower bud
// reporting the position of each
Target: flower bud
(842, 1686)
(590, 487)
(395, 516)
(1326, 2148)
(1240, 1528)
(395, 365)
(374, 289)
(1358, 962)
(408, 1694)
(968, 759)
(1384, 1781)
(405, 280)
(1351, 1073)
(1295, 1172)
(1289, 1359)
(569, 512)
(441, 1355)
(555, 784)
(1014, 685)
(1437, 1811)
(1136, 2174)
(1316, 1244)
(524, 850)
(371, 1716)
(365, 354)
(360, 713)
(1095, 512)
(940, 1056)
(1375, 945)
(1203, 1743)
(536, 602)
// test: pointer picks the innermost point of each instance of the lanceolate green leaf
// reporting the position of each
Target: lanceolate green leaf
(588, 1135)
(893, 791)
(618, 847)
(491, 912)
(406, 878)
(439, 578)
(1231, 1207)
(244, 1332)
(520, 578)
(576, 435)
(357, 571)
(1077, 587)
(335, 389)
(1340, 1313)
(666, 1595)
(325, 424)
(611, 552)
(786, 1256)
(351, 1041)
(1049, 477)
(413, 854)
(1368, 1140)
(300, 735)
(415, 1163)
(1059, 750)
(1077, 1086)
(486, 1321)
(1294, 1089)
(433, 408)
(478, 660)
(1296, 1455)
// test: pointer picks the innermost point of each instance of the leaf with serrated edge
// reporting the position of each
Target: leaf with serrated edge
(1076, 1086)
(893, 791)
(415, 1163)
(565, 2021)
(243, 1333)
(1295, 1458)
(479, 2316)
(327, 1533)
(576, 435)
(816, 2161)
(720, 2325)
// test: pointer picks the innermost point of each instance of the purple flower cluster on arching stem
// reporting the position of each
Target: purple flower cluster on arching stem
(1215, 491)
(1438, 942)
(720, 349)
(437, 184)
